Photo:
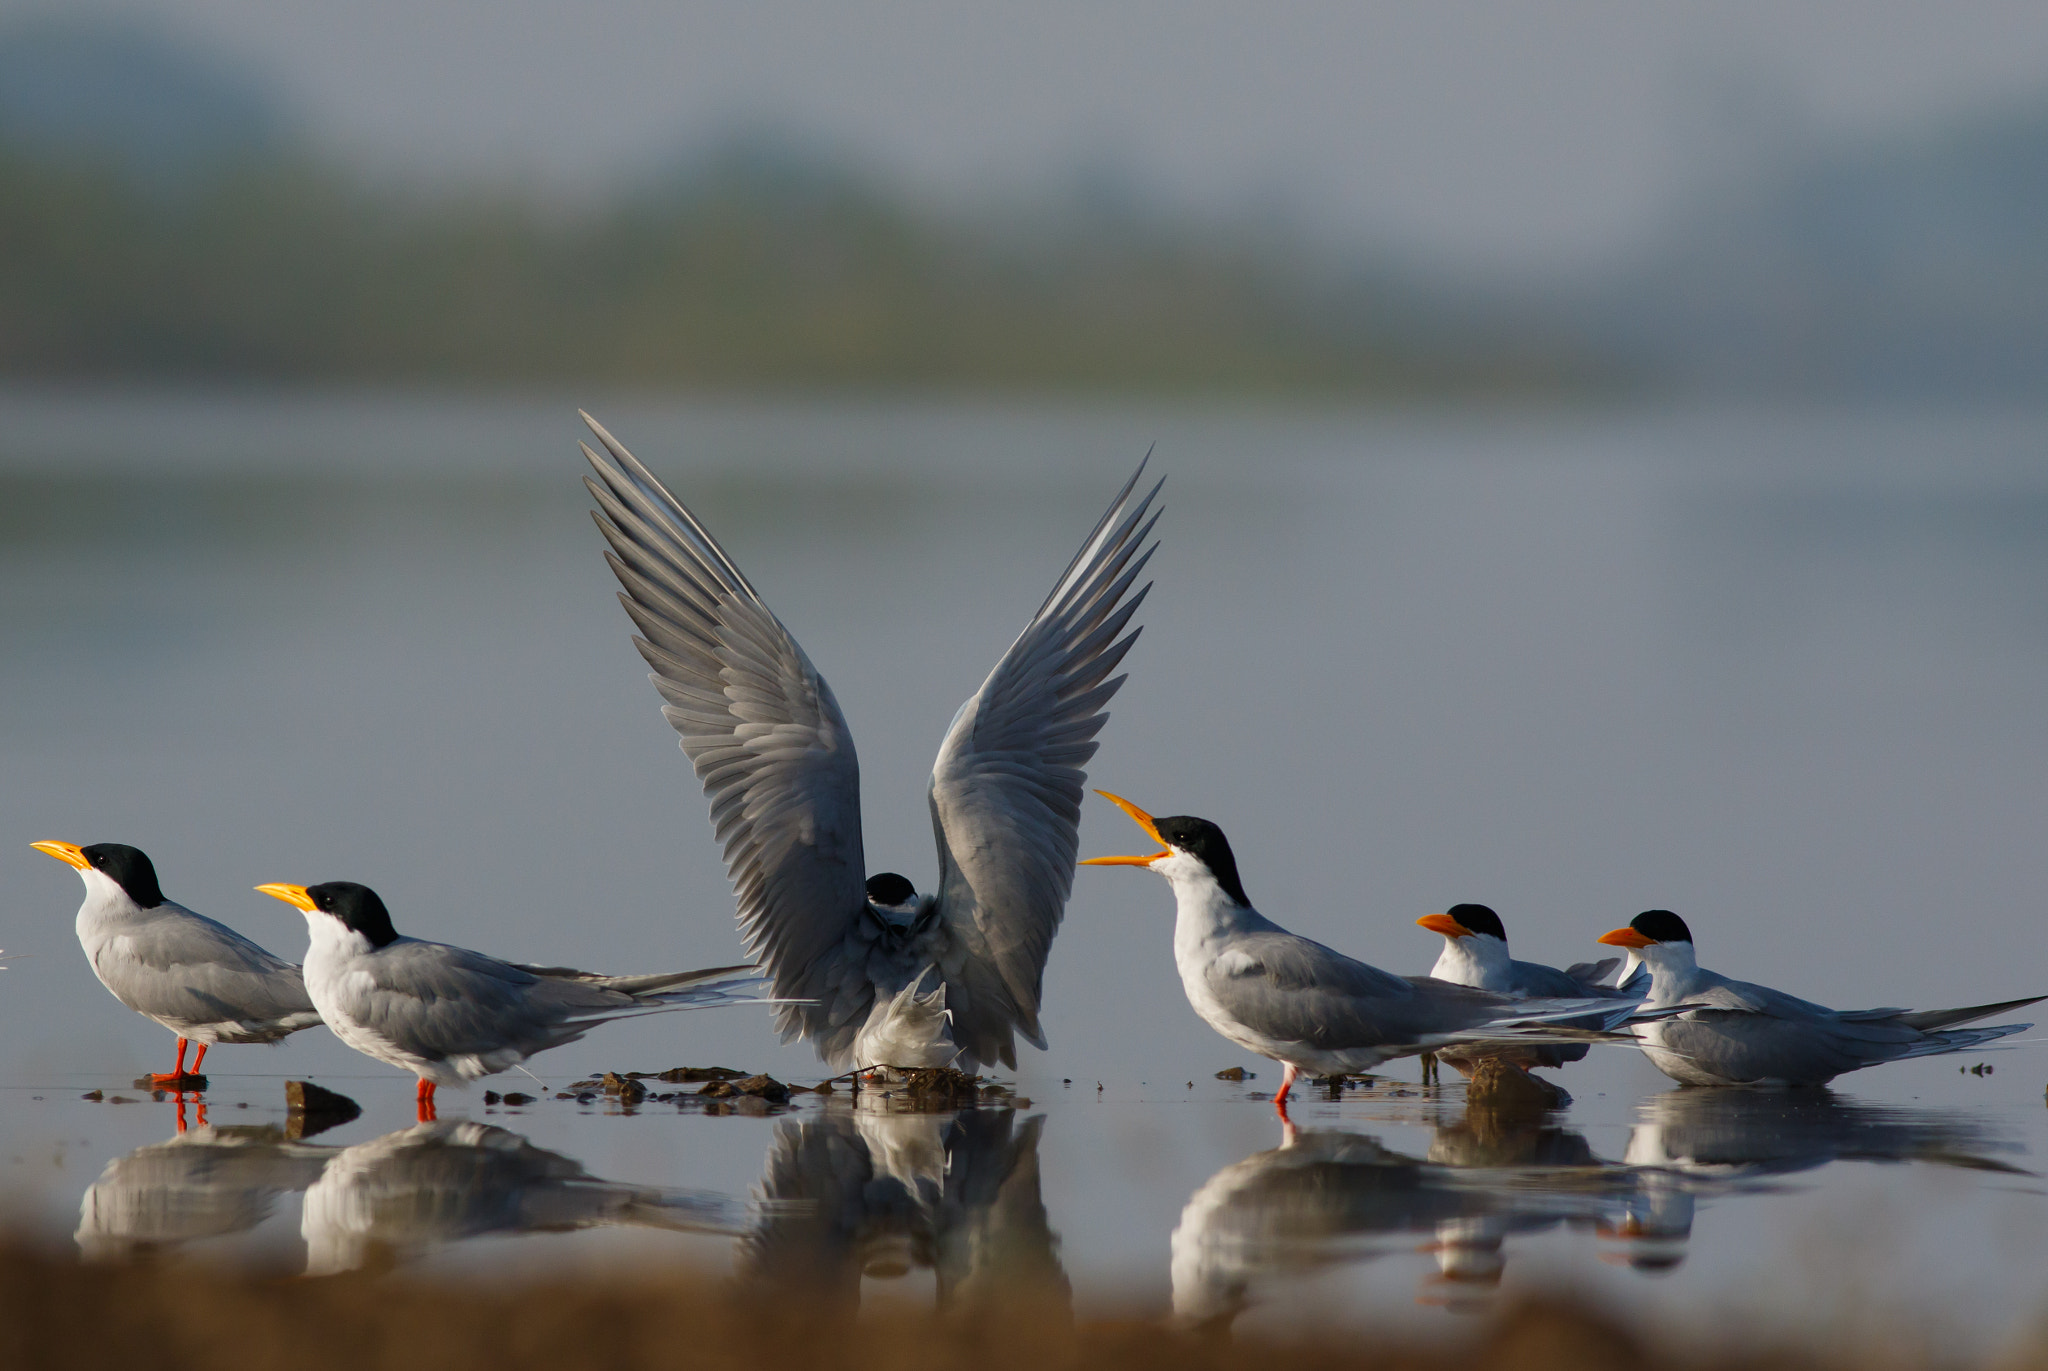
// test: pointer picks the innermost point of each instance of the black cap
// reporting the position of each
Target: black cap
(358, 908)
(1661, 925)
(130, 869)
(1202, 839)
(1477, 918)
(887, 888)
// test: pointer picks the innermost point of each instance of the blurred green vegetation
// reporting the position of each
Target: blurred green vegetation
(748, 273)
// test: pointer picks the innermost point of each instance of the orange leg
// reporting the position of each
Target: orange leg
(1287, 1079)
(177, 1072)
(197, 1099)
(425, 1100)
(200, 1060)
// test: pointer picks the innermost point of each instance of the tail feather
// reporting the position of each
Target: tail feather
(1959, 1040)
(654, 985)
(1927, 1020)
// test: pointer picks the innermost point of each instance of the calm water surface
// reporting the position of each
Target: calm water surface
(1781, 672)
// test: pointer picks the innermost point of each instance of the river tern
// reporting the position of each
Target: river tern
(1303, 1005)
(874, 972)
(1743, 1034)
(202, 980)
(1476, 954)
(450, 1015)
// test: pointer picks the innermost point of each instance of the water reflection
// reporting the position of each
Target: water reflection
(859, 1191)
(1691, 1144)
(204, 1182)
(1325, 1196)
(437, 1183)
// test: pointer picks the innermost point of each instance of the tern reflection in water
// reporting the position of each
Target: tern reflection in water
(1326, 1197)
(1694, 1143)
(862, 1191)
(202, 1183)
(439, 1183)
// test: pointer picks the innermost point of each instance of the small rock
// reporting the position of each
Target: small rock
(1502, 1085)
(492, 1097)
(93, 1095)
(759, 1087)
(586, 1097)
(823, 1087)
(119, 1099)
(685, 1075)
(627, 1088)
(1237, 1073)
(565, 1095)
(311, 1109)
(515, 1098)
(593, 1083)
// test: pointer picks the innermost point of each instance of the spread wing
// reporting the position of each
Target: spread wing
(767, 739)
(1006, 789)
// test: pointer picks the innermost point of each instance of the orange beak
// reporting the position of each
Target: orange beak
(1144, 821)
(71, 854)
(1625, 937)
(290, 894)
(1444, 924)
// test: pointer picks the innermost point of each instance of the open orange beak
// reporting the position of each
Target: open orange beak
(1144, 821)
(290, 894)
(1625, 937)
(1444, 924)
(71, 854)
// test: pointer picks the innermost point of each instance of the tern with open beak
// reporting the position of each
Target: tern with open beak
(449, 1015)
(1745, 1034)
(1303, 1005)
(874, 972)
(202, 980)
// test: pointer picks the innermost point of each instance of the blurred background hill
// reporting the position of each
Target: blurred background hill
(169, 212)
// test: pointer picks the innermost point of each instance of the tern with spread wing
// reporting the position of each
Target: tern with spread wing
(1310, 1008)
(449, 1015)
(1743, 1034)
(873, 972)
(202, 980)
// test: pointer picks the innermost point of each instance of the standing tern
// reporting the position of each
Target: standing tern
(202, 980)
(1476, 954)
(449, 1015)
(1752, 1035)
(1303, 1005)
(874, 972)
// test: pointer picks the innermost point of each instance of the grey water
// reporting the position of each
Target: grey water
(1780, 670)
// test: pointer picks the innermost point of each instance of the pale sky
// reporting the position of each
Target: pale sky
(1495, 133)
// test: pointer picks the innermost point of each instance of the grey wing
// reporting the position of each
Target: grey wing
(1752, 1032)
(1534, 978)
(186, 968)
(767, 740)
(1006, 788)
(1720, 992)
(1292, 989)
(441, 1001)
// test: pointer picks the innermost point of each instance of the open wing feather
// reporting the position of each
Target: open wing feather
(766, 737)
(1006, 789)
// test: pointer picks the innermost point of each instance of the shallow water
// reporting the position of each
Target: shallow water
(1779, 671)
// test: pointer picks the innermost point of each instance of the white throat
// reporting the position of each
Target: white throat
(330, 942)
(1479, 960)
(1672, 970)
